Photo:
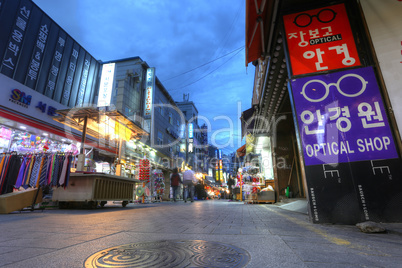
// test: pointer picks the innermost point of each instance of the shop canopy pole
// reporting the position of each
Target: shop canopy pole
(84, 133)
(81, 156)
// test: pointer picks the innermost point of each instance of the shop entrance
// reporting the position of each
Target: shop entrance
(286, 160)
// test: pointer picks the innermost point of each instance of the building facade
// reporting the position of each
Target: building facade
(196, 153)
(139, 95)
(43, 69)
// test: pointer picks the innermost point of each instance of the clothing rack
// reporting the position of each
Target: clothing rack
(32, 170)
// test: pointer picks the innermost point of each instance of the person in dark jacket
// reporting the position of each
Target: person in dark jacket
(175, 181)
(230, 184)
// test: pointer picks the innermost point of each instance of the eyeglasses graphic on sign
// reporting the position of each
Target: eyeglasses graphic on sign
(325, 15)
(316, 90)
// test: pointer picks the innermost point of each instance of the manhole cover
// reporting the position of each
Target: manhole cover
(170, 253)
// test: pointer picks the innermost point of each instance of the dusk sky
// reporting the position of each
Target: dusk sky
(196, 46)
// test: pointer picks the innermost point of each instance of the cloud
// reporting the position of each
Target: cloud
(173, 36)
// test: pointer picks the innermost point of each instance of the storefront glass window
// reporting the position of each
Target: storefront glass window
(13, 140)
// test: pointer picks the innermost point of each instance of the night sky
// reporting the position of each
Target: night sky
(196, 46)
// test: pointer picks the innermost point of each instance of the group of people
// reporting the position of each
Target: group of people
(189, 181)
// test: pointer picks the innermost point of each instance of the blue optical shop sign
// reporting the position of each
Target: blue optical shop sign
(351, 163)
(341, 118)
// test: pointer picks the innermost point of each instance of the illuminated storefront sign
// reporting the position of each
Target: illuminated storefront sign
(190, 145)
(21, 98)
(218, 166)
(342, 118)
(150, 84)
(106, 84)
(190, 130)
(49, 110)
(320, 40)
(182, 131)
(190, 138)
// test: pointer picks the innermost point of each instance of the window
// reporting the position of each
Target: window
(159, 104)
(170, 118)
(170, 145)
(160, 138)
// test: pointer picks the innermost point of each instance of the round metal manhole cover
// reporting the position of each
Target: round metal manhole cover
(170, 253)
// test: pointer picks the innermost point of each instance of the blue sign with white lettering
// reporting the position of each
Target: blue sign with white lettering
(190, 131)
(341, 118)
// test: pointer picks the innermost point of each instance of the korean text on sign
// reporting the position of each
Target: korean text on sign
(341, 118)
(320, 40)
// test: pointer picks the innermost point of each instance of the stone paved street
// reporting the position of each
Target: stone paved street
(262, 235)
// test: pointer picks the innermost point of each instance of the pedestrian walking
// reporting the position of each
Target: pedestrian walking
(230, 183)
(189, 181)
(175, 181)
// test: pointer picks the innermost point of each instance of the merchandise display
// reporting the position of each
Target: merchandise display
(24, 142)
(144, 170)
(254, 186)
(5, 137)
(159, 184)
(20, 172)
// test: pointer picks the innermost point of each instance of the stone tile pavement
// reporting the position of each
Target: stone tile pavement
(272, 236)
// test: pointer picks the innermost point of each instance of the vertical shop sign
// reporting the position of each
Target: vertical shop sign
(106, 84)
(55, 66)
(15, 41)
(351, 162)
(84, 79)
(320, 40)
(217, 165)
(70, 74)
(150, 84)
(190, 137)
(220, 176)
(182, 132)
(342, 118)
(37, 55)
(190, 130)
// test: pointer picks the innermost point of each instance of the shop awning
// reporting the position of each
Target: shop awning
(258, 19)
(101, 123)
(241, 151)
(247, 121)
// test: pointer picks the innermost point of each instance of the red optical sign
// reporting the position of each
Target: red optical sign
(320, 40)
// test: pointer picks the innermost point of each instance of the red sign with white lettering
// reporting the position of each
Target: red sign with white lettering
(320, 40)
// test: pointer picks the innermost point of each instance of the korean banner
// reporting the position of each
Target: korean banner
(341, 118)
(320, 40)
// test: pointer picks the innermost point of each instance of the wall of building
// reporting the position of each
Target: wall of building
(383, 20)
(39, 54)
(128, 96)
(167, 121)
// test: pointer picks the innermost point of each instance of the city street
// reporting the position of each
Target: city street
(211, 233)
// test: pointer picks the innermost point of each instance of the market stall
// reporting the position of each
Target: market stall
(110, 128)
(95, 189)
(158, 187)
(255, 187)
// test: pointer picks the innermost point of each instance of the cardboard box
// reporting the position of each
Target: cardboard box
(18, 200)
